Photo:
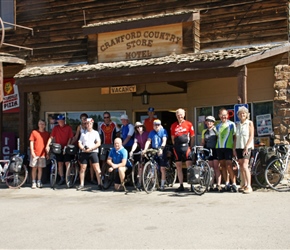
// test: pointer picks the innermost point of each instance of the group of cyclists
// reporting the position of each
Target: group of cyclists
(129, 138)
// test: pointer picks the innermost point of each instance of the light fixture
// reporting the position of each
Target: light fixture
(145, 97)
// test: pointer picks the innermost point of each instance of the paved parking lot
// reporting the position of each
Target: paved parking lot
(91, 219)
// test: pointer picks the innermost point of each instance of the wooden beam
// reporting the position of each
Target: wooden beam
(242, 85)
(23, 121)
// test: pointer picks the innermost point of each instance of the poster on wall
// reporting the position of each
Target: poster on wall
(264, 124)
(73, 118)
(10, 96)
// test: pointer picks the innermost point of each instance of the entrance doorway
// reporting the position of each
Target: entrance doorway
(166, 117)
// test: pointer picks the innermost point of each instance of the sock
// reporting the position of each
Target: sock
(162, 183)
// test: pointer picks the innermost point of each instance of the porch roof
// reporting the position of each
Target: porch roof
(219, 58)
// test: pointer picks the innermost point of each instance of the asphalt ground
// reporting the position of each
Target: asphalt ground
(91, 219)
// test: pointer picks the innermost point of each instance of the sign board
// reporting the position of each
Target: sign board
(11, 96)
(149, 42)
(264, 124)
(236, 108)
(8, 144)
(123, 89)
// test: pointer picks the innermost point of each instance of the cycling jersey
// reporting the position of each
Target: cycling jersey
(182, 132)
(108, 132)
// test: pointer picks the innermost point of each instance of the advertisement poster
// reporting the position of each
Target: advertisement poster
(10, 97)
(264, 124)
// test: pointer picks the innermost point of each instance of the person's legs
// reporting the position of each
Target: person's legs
(82, 174)
(179, 171)
(217, 172)
(163, 176)
(97, 170)
(33, 176)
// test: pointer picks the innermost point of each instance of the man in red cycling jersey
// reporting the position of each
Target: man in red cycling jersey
(108, 129)
(182, 133)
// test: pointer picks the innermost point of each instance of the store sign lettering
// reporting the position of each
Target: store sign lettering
(138, 44)
(123, 89)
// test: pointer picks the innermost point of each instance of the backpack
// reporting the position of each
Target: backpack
(265, 154)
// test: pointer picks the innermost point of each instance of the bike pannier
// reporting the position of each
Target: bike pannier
(105, 149)
(56, 148)
(193, 175)
(15, 164)
(265, 153)
(71, 149)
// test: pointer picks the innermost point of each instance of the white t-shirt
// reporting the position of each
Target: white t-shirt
(89, 139)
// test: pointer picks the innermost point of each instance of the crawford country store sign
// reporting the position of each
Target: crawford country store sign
(140, 43)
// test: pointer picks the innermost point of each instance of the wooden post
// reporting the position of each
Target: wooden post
(23, 121)
(242, 85)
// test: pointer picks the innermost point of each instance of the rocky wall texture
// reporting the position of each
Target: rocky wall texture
(281, 119)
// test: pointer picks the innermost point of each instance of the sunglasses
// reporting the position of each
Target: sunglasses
(157, 125)
(139, 127)
(106, 117)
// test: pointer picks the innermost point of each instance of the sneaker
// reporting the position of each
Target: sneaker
(162, 188)
(80, 187)
(61, 182)
(33, 185)
(100, 187)
(241, 189)
(39, 184)
(227, 188)
(234, 189)
(248, 190)
(218, 189)
(180, 189)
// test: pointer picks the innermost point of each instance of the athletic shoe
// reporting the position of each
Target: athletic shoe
(241, 189)
(162, 188)
(234, 189)
(226, 188)
(39, 184)
(248, 190)
(100, 187)
(180, 189)
(33, 185)
(80, 187)
(61, 182)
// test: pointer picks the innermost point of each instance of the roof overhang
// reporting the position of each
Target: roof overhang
(207, 64)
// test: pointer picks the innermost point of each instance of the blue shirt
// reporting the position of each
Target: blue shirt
(125, 131)
(157, 137)
(118, 155)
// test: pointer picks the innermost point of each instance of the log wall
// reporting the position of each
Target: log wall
(59, 39)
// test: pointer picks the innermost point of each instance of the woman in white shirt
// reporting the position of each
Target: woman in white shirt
(244, 143)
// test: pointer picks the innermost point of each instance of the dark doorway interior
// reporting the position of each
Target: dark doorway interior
(166, 117)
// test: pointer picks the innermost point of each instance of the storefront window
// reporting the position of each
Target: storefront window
(255, 109)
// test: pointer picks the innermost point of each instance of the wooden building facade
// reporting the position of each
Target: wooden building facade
(196, 54)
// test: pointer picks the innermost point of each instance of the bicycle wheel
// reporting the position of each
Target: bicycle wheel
(16, 180)
(259, 174)
(236, 168)
(149, 176)
(107, 177)
(171, 174)
(204, 179)
(274, 175)
(53, 172)
(135, 176)
(71, 174)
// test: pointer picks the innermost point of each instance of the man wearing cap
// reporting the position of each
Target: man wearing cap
(209, 140)
(148, 122)
(89, 143)
(127, 133)
(158, 138)
(62, 134)
(182, 133)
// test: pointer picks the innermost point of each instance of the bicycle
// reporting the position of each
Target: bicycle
(151, 176)
(137, 171)
(55, 148)
(276, 170)
(14, 172)
(199, 174)
(72, 171)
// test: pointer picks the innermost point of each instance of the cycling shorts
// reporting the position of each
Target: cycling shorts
(182, 152)
(224, 153)
(86, 157)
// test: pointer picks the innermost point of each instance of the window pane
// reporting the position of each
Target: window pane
(7, 12)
